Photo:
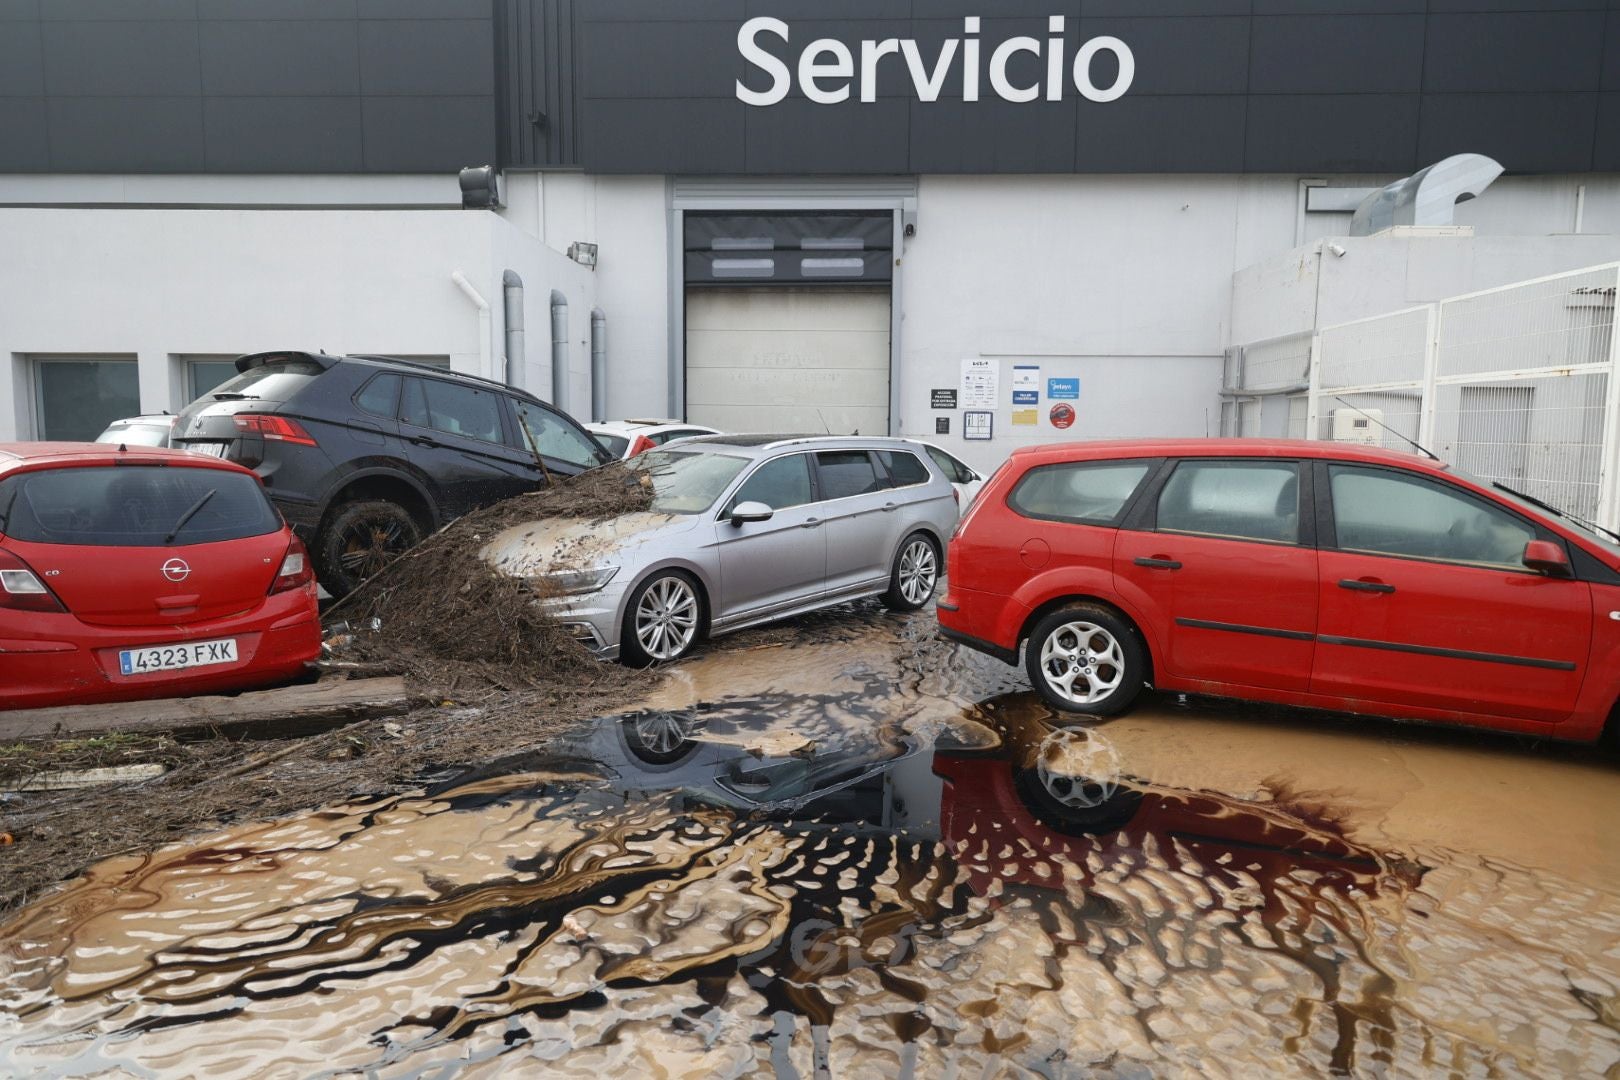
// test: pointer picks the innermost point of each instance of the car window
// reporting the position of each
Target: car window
(614, 444)
(848, 472)
(1388, 513)
(1241, 500)
(555, 437)
(134, 506)
(779, 484)
(955, 471)
(452, 409)
(1086, 493)
(380, 396)
(904, 467)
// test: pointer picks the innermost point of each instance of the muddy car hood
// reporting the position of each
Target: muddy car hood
(539, 547)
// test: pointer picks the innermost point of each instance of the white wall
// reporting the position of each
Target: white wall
(159, 283)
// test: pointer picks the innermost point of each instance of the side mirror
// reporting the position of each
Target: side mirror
(750, 511)
(1548, 558)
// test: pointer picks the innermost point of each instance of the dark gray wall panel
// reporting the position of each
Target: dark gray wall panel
(283, 134)
(1337, 132)
(127, 59)
(1552, 50)
(82, 10)
(23, 145)
(732, 11)
(424, 9)
(18, 9)
(1340, 7)
(697, 135)
(802, 137)
(1167, 7)
(260, 10)
(1606, 155)
(1442, 6)
(1525, 132)
(696, 56)
(280, 57)
(1174, 56)
(426, 57)
(131, 134)
(1334, 50)
(1611, 53)
(795, 11)
(1161, 134)
(427, 134)
(22, 62)
(993, 136)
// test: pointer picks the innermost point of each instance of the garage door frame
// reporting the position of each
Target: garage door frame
(897, 195)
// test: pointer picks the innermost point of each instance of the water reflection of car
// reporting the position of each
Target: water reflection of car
(742, 530)
(148, 430)
(627, 438)
(1312, 574)
(132, 573)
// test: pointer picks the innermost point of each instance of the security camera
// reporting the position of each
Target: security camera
(1337, 249)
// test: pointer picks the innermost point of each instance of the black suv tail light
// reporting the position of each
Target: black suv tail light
(273, 427)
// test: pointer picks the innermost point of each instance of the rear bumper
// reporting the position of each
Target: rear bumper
(1006, 656)
(65, 662)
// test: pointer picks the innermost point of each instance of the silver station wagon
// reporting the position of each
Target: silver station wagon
(743, 529)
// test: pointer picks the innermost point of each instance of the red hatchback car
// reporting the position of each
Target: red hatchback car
(143, 573)
(1303, 573)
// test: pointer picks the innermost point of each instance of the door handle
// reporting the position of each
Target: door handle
(1157, 563)
(423, 440)
(811, 523)
(889, 508)
(1366, 586)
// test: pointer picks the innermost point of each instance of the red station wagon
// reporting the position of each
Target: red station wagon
(1303, 573)
(142, 572)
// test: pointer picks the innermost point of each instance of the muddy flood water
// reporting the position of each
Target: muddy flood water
(864, 852)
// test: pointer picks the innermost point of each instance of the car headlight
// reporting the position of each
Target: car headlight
(575, 582)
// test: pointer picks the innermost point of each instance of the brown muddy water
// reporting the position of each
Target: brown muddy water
(861, 852)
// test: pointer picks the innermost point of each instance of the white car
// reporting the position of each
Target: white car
(626, 438)
(966, 481)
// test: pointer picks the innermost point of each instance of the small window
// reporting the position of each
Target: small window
(205, 376)
(781, 483)
(955, 471)
(1238, 500)
(1086, 493)
(380, 396)
(904, 469)
(849, 472)
(454, 410)
(555, 437)
(75, 400)
(1387, 513)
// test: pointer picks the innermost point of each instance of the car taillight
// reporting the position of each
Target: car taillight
(276, 428)
(641, 443)
(295, 572)
(21, 589)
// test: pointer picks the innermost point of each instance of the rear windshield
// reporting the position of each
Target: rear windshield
(277, 381)
(134, 506)
(613, 444)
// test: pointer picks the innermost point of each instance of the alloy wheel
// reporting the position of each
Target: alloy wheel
(1082, 662)
(667, 618)
(919, 567)
(370, 546)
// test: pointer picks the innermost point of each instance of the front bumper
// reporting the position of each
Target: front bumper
(592, 619)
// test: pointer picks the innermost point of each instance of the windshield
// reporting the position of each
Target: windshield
(687, 483)
(134, 506)
(1607, 543)
(143, 434)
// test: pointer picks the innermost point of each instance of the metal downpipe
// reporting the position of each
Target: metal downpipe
(559, 350)
(598, 365)
(516, 358)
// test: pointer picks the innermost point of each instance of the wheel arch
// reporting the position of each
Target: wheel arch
(705, 590)
(388, 486)
(1057, 603)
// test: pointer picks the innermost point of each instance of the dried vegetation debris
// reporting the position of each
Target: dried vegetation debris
(449, 619)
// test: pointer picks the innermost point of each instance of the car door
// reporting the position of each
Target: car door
(1223, 549)
(456, 435)
(858, 503)
(563, 447)
(777, 563)
(1426, 601)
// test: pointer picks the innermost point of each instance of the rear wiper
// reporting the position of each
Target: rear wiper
(189, 514)
(232, 395)
(1551, 509)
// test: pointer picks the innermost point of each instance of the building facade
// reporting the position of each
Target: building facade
(982, 224)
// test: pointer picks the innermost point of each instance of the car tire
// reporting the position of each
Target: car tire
(360, 538)
(1089, 644)
(663, 619)
(914, 573)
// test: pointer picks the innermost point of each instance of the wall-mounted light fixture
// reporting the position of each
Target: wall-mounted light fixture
(480, 188)
(583, 253)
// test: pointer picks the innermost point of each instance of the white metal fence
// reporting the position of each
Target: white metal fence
(1515, 384)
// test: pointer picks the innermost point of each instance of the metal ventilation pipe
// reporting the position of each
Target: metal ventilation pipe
(559, 350)
(516, 358)
(598, 365)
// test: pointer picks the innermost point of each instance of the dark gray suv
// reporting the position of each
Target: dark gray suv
(365, 455)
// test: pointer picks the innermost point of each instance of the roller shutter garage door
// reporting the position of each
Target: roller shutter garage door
(799, 360)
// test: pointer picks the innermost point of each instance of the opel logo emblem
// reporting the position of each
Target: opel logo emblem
(176, 570)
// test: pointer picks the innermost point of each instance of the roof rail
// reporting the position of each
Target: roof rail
(447, 371)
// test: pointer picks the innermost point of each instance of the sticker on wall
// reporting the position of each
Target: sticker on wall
(942, 399)
(1026, 385)
(1063, 389)
(1062, 415)
(942, 425)
(980, 379)
(1026, 397)
(1026, 417)
(977, 426)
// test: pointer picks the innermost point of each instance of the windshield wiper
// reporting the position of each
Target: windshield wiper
(1565, 514)
(189, 514)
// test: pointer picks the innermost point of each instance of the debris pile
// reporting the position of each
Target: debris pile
(444, 616)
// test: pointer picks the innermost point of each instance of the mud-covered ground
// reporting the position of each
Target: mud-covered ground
(842, 847)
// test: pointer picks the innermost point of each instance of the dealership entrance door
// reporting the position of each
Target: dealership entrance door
(803, 360)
